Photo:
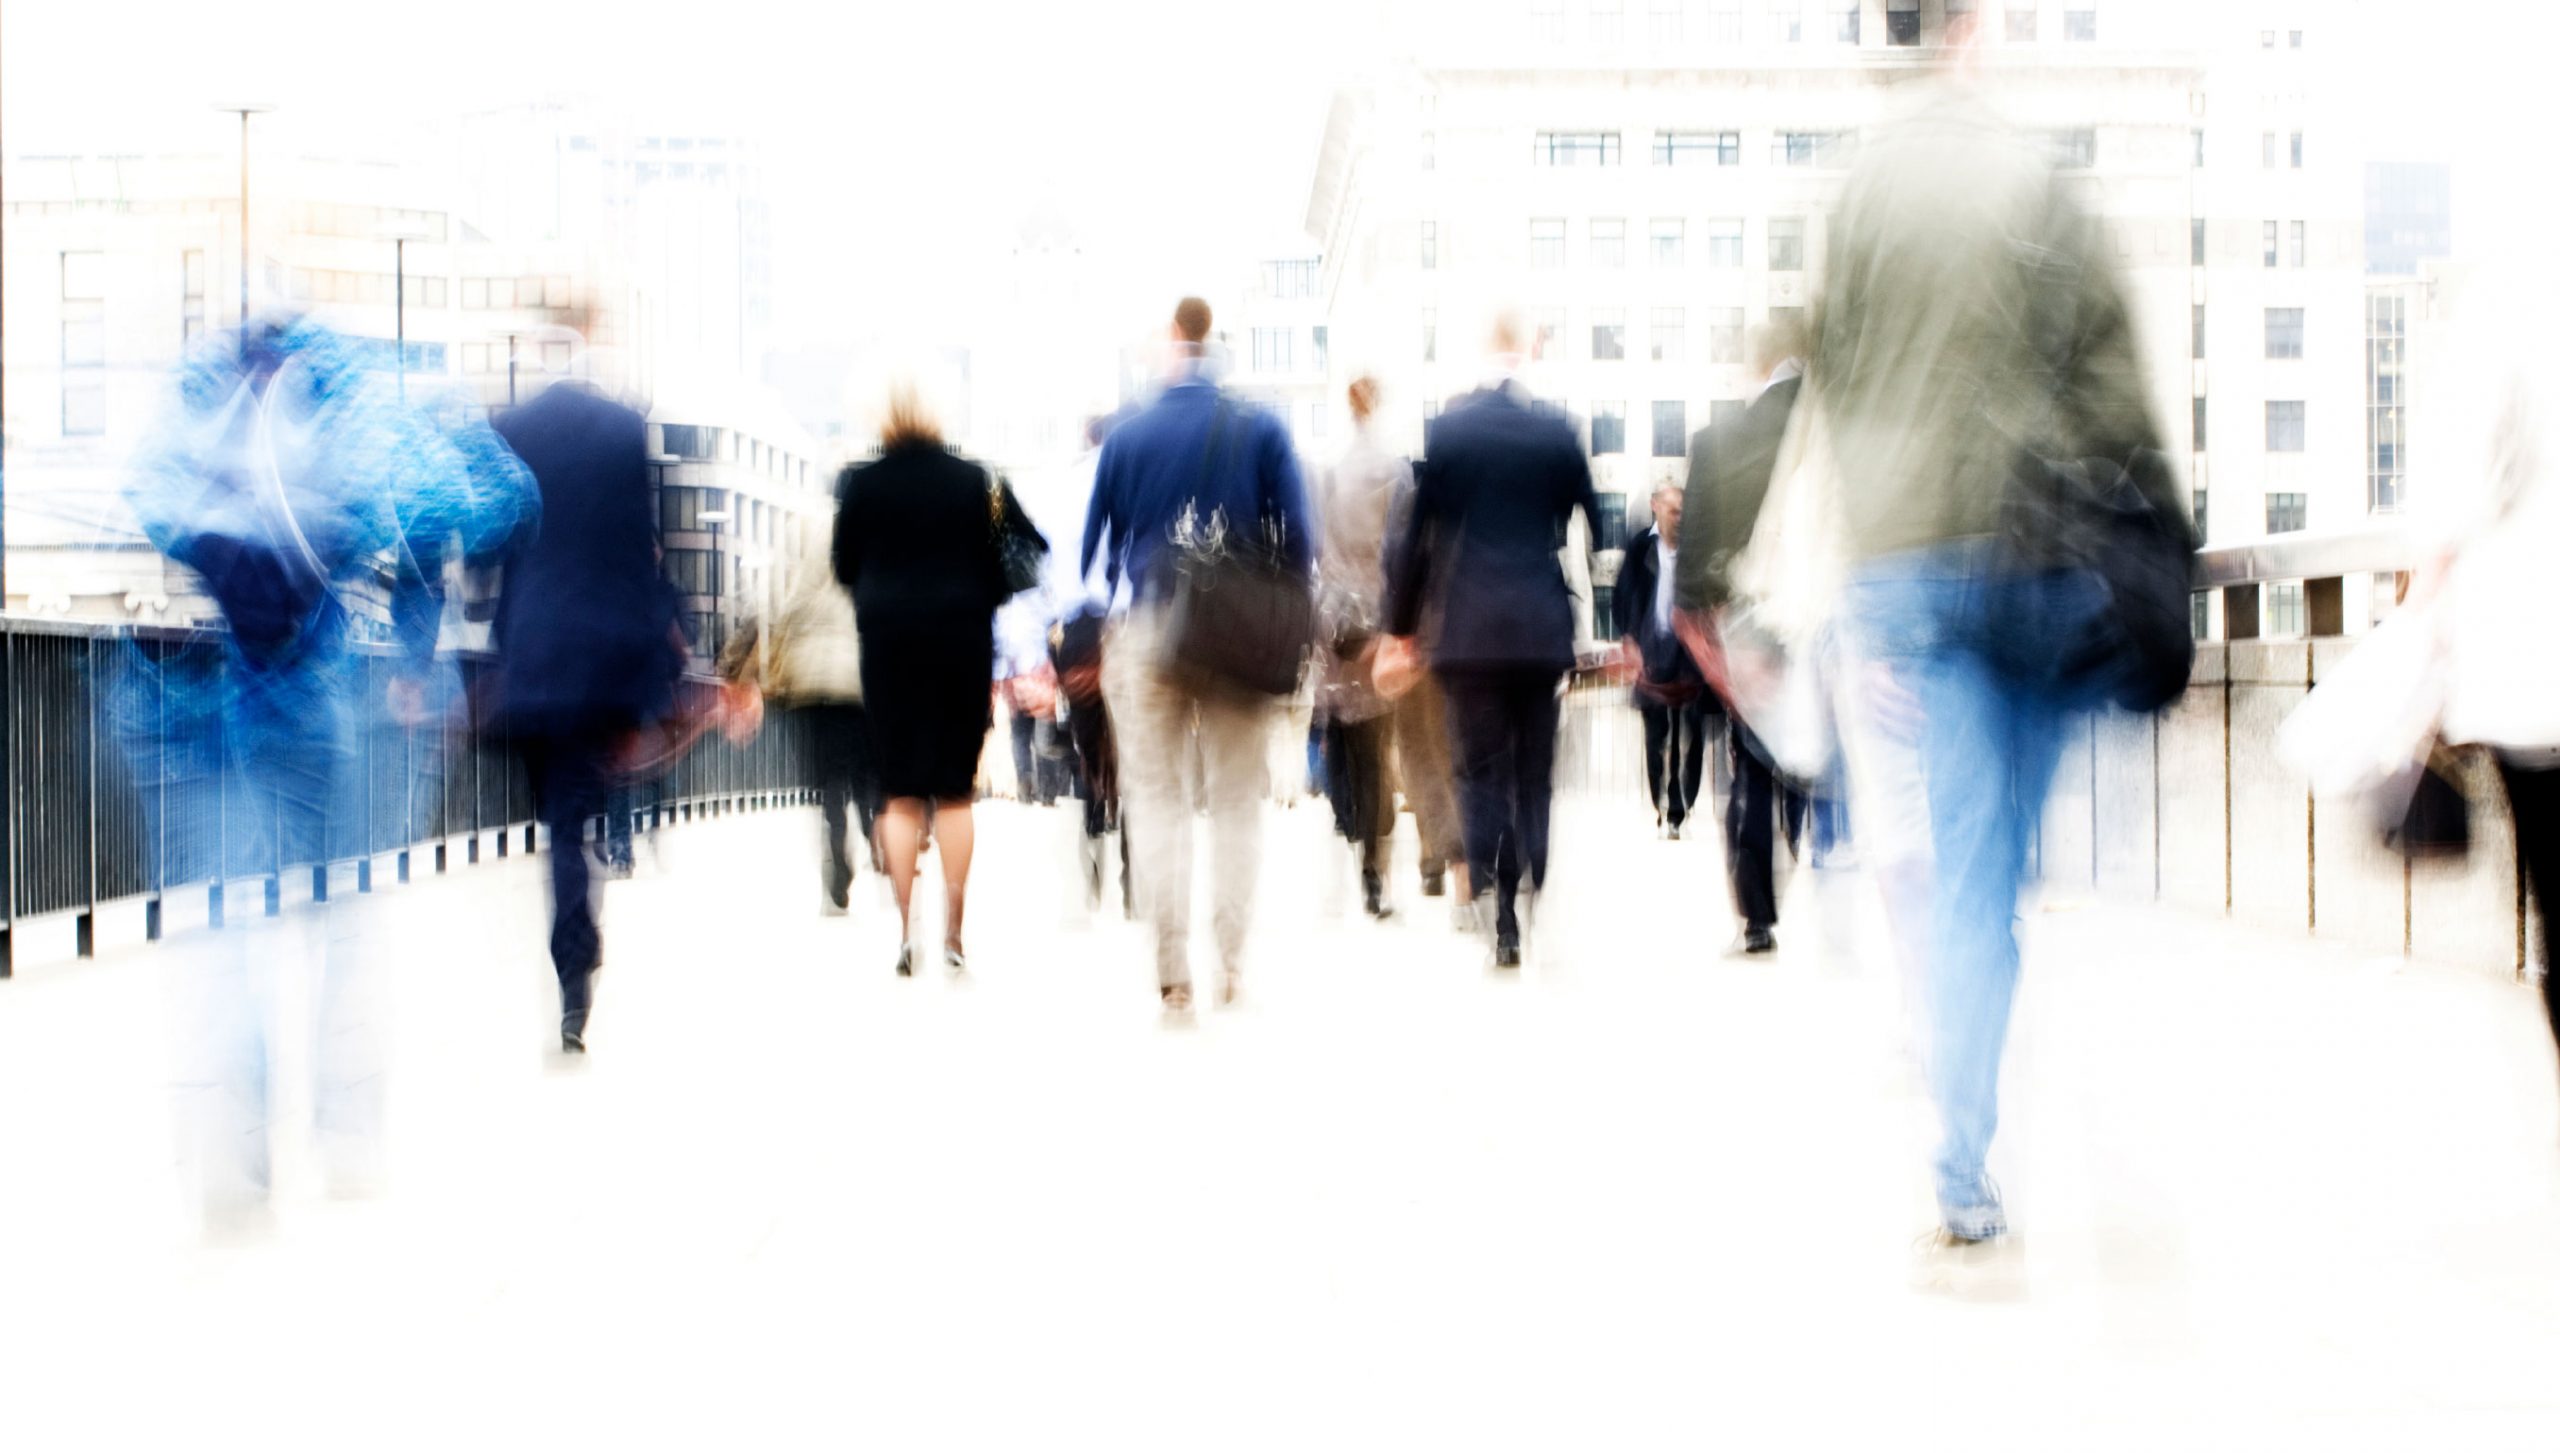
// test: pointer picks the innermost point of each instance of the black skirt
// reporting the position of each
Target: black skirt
(929, 694)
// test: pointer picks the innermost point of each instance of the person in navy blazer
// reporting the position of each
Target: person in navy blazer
(1495, 490)
(1670, 692)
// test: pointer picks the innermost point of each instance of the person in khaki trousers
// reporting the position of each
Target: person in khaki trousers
(1190, 460)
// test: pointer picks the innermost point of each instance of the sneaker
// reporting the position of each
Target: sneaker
(1991, 1269)
(1177, 1006)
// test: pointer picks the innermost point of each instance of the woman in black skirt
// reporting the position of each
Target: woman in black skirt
(916, 541)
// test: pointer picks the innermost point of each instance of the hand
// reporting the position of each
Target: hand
(1626, 663)
(406, 698)
(1396, 666)
(741, 712)
(1697, 632)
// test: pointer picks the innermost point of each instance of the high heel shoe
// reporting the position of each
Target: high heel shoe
(906, 961)
(955, 961)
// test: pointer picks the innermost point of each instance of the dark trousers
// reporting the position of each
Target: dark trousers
(2533, 794)
(1675, 754)
(1097, 765)
(1356, 759)
(570, 785)
(1026, 777)
(1502, 737)
(1758, 808)
(841, 748)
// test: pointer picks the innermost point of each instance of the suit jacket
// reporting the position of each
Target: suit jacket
(1494, 491)
(1666, 661)
(586, 625)
(1729, 469)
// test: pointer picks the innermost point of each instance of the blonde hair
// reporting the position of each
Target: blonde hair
(905, 418)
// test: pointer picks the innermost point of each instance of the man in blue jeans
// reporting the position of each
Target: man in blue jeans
(1971, 325)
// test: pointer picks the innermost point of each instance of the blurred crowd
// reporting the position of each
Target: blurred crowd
(1943, 526)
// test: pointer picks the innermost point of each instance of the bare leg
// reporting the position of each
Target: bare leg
(901, 824)
(955, 837)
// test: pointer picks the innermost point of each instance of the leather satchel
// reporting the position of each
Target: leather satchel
(1242, 617)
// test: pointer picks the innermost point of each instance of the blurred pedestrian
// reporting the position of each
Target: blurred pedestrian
(811, 664)
(589, 649)
(918, 541)
(1195, 464)
(1495, 494)
(1972, 344)
(1729, 469)
(1358, 497)
(1679, 712)
(282, 475)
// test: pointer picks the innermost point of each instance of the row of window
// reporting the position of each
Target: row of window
(2283, 332)
(1666, 243)
(2282, 244)
(327, 219)
(2287, 511)
(1693, 148)
(2276, 150)
(704, 443)
(1785, 22)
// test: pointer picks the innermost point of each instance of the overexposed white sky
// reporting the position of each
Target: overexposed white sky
(907, 140)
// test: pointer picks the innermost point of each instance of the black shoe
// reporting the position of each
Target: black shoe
(572, 1043)
(1435, 885)
(1506, 953)
(1754, 943)
(1373, 896)
(1675, 832)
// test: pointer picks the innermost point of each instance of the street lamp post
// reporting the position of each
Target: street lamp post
(244, 110)
(719, 581)
(400, 235)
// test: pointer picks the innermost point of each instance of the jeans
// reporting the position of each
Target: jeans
(1980, 650)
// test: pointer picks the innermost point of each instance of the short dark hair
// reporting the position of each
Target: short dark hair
(1191, 320)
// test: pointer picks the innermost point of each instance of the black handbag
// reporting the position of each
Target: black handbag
(1021, 552)
(2436, 825)
(1242, 617)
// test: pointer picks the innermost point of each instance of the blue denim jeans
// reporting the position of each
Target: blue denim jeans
(1980, 650)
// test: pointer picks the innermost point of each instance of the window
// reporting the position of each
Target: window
(1609, 530)
(2297, 40)
(1724, 21)
(2293, 253)
(1608, 21)
(2284, 608)
(2267, 150)
(2197, 136)
(1724, 242)
(2284, 513)
(2195, 241)
(1663, 22)
(1272, 350)
(2075, 147)
(2297, 151)
(1809, 148)
(2284, 332)
(1670, 242)
(2267, 40)
(1902, 22)
(1575, 148)
(1546, 340)
(1431, 335)
(1608, 242)
(191, 271)
(2022, 24)
(2387, 460)
(1430, 247)
(1786, 244)
(2080, 27)
(1546, 21)
(2195, 342)
(1324, 348)
(1608, 428)
(2198, 443)
(1786, 21)
(2199, 606)
(1721, 412)
(1292, 279)
(1430, 151)
(694, 572)
(1670, 429)
(1724, 335)
(1546, 242)
(1608, 335)
(2202, 532)
(1697, 148)
(685, 441)
(2284, 426)
(1844, 21)
(1667, 334)
(2267, 235)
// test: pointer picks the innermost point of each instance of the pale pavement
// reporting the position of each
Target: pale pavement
(2275, 1194)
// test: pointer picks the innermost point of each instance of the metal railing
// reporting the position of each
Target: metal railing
(89, 824)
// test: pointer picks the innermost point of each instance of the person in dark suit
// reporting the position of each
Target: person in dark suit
(1729, 469)
(1497, 486)
(587, 642)
(1670, 693)
(916, 543)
